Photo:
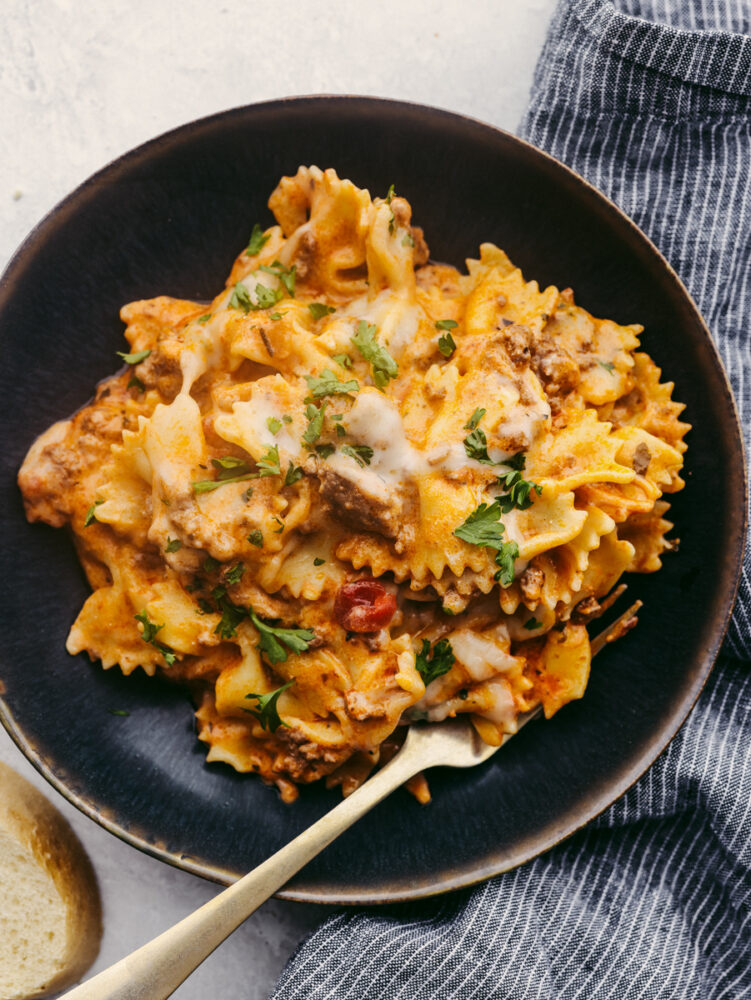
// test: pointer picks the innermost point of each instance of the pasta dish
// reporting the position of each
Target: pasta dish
(360, 489)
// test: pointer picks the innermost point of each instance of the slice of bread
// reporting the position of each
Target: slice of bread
(50, 910)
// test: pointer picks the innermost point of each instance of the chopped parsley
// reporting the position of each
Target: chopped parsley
(269, 465)
(274, 639)
(210, 564)
(475, 419)
(327, 384)
(341, 430)
(409, 240)
(286, 275)
(382, 364)
(362, 453)
(257, 241)
(91, 513)
(280, 529)
(446, 324)
(149, 634)
(265, 297)
(256, 538)
(342, 359)
(234, 575)
(435, 661)
(204, 319)
(286, 418)
(266, 711)
(136, 358)
(318, 561)
(173, 544)
(319, 309)
(325, 450)
(232, 615)
(276, 316)
(315, 416)
(229, 470)
(136, 383)
(531, 624)
(294, 473)
(446, 345)
(240, 298)
(607, 365)
(273, 424)
(483, 527)
(475, 443)
(518, 489)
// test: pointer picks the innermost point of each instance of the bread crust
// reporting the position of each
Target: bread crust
(30, 820)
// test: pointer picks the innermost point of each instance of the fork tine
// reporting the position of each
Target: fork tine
(619, 627)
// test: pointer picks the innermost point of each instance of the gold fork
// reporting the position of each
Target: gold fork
(155, 970)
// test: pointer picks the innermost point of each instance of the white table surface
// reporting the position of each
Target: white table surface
(82, 82)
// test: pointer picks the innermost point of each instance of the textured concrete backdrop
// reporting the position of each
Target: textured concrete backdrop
(83, 81)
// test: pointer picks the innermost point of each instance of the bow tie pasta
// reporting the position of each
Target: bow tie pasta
(360, 489)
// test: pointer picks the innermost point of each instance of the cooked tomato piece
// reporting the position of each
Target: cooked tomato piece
(364, 606)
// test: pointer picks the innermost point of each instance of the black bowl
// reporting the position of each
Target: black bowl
(168, 218)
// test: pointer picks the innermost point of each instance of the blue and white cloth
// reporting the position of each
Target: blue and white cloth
(650, 100)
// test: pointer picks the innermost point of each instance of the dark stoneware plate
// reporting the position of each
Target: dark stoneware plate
(168, 218)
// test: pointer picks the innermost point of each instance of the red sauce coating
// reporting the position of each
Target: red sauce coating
(364, 606)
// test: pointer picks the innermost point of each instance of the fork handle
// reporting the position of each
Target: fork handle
(155, 970)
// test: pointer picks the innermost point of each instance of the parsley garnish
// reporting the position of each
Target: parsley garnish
(210, 564)
(229, 470)
(204, 319)
(390, 193)
(433, 662)
(257, 241)
(91, 513)
(134, 359)
(475, 443)
(483, 527)
(294, 473)
(136, 383)
(318, 561)
(315, 423)
(269, 465)
(341, 430)
(265, 297)
(505, 558)
(273, 424)
(446, 324)
(362, 453)
(518, 489)
(266, 712)
(446, 345)
(173, 544)
(274, 639)
(276, 316)
(286, 418)
(234, 575)
(325, 450)
(286, 275)
(475, 419)
(319, 309)
(342, 359)
(409, 240)
(256, 538)
(232, 615)
(607, 365)
(532, 623)
(327, 384)
(240, 298)
(382, 364)
(149, 633)
(280, 529)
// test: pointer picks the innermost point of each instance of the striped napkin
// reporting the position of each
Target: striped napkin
(650, 100)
